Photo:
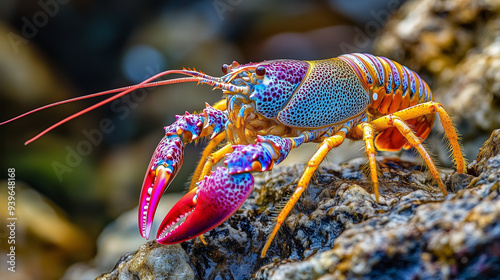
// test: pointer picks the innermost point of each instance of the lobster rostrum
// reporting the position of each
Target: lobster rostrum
(268, 109)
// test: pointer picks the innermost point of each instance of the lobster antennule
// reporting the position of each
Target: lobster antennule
(235, 73)
(228, 87)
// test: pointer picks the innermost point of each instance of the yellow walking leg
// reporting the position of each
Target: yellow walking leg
(406, 131)
(426, 108)
(220, 105)
(206, 153)
(312, 165)
(368, 136)
(213, 159)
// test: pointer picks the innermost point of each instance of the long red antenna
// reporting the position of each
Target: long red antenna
(69, 101)
(132, 88)
(196, 77)
(138, 86)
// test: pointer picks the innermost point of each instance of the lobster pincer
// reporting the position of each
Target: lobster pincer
(168, 156)
(212, 202)
(164, 165)
(220, 194)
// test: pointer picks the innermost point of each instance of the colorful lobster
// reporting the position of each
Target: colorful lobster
(270, 108)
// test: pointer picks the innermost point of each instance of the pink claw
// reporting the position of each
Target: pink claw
(165, 163)
(215, 199)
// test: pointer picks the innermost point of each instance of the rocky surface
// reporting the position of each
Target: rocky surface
(153, 261)
(420, 237)
(338, 231)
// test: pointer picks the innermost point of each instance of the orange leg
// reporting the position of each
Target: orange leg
(368, 136)
(214, 158)
(452, 136)
(426, 108)
(206, 153)
(416, 142)
(327, 144)
(220, 105)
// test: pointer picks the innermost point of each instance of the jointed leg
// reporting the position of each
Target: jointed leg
(368, 136)
(312, 165)
(206, 153)
(221, 106)
(451, 134)
(207, 162)
(213, 159)
(406, 131)
(430, 107)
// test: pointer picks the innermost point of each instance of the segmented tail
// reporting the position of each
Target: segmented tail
(392, 87)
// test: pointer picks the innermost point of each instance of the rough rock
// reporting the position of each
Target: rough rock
(152, 261)
(119, 238)
(338, 231)
(490, 148)
(420, 238)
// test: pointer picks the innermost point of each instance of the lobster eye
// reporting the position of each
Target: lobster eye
(260, 71)
(225, 68)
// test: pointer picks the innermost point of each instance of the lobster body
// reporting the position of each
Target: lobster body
(327, 93)
(269, 109)
(323, 95)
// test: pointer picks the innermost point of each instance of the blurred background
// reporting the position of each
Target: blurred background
(80, 177)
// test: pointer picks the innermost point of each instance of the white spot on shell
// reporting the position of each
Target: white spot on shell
(375, 96)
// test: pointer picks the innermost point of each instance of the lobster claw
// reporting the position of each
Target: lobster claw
(215, 199)
(164, 165)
